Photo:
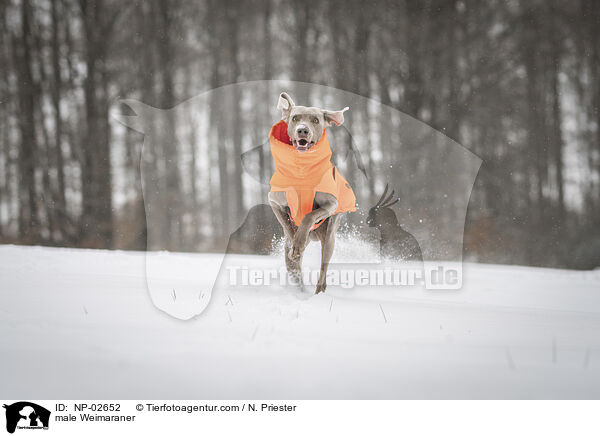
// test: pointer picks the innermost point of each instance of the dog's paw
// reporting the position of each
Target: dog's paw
(295, 253)
(320, 288)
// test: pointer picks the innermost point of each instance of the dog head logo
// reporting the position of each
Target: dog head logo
(203, 170)
(26, 415)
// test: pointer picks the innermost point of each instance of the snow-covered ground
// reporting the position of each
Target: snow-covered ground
(80, 324)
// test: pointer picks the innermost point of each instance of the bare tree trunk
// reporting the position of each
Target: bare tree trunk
(453, 28)
(557, 143)
(237, 121)
(194, 210)
(174, 231)
(413, 89)
(74, 152)
(362, 19)
(61, 205)
(413, 100)
(267, 75)
(4, 144)
(46, 161)
(97, 227)
(594, 36)
(28, 208)
(215, 33)
(343, 78)
(537, 146)
(5, 110)
(303, 24)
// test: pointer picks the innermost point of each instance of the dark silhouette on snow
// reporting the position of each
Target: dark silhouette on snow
(395, 242)
(257, 234)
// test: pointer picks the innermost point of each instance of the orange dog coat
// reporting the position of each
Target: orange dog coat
(301, 175)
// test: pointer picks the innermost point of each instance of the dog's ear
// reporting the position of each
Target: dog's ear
(335, 118)
(285, 104)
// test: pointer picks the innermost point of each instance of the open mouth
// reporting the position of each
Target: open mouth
(302, 144)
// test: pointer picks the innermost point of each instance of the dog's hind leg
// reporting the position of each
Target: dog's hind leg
(326, 234)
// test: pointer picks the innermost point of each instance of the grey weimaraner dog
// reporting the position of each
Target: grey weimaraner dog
(302, 144)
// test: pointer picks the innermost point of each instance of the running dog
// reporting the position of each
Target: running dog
(308, 194)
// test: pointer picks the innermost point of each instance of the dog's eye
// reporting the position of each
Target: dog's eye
(315, 120)
(295, 118)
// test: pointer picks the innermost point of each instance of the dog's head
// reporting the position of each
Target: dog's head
(306, 124)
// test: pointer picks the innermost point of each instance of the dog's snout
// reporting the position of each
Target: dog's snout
(302, 131)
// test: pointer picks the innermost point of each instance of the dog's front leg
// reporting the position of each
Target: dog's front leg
(327, 206)
(278, 203)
